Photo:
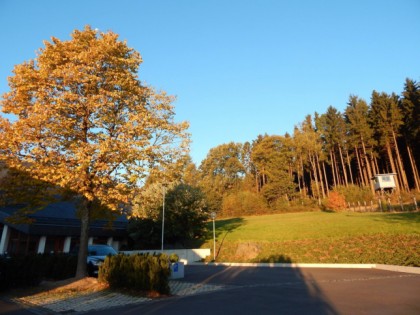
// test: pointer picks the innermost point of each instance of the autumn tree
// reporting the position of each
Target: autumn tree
(85, 123)
(271, 157)
(221, 172)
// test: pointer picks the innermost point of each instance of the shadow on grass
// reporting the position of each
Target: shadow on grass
(223, 228)
(228, 225)
(276, 259)
(411, 217)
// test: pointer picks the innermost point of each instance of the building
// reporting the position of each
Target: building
(384, 182)
(56, 229)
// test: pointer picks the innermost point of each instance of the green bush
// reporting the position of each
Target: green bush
(243, 203)
(140, 272)
(30, 270)
(354, 194)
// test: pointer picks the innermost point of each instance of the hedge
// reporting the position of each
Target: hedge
(30, 270)
(139, 272)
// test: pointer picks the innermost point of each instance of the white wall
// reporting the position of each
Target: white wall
(185, 255)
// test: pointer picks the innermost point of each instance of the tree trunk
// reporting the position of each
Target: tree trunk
(313, 165)
(305, 190)
(81, 270)
(257, 181)
(414, 168)
(369, 170)
(391, 161)
(333, 168)
(401, 167)
(343, 166)
(375, 164)
(349, 166)
(326, 179)
(321, 181)
(359, 162)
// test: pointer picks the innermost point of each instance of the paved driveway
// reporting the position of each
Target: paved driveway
(263, 290)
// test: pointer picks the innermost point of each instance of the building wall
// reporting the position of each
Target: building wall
(17, 243)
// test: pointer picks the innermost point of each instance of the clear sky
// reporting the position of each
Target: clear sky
(239, 68)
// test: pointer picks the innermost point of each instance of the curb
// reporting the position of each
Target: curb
(395, 268)
(405, 269)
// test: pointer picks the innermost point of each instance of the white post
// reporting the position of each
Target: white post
(41, 244)
(67, 243)
(90, 241)
(213, 216)
(109, 241)
(214, 242)
(4, 242)
(163, 216)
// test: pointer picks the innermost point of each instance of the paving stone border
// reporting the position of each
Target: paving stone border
(105, 299)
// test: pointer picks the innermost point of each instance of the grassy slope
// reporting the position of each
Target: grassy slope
(320, 237)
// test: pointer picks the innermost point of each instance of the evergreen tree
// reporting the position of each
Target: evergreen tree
(332, 128)
(410, 109)
(360, 137)
(387, 119)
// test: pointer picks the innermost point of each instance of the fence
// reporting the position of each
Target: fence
(383, 204)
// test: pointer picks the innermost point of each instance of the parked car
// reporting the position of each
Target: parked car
(96, 256)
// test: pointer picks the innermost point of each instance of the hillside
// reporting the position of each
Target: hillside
(320, 237)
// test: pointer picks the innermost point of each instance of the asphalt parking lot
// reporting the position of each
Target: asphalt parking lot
(265, 290)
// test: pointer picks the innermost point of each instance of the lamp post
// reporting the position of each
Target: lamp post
(213, 216)
(163, 215)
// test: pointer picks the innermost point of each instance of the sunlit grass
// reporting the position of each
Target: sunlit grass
(392, 238)
(315, 225)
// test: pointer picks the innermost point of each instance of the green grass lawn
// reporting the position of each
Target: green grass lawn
(320, 237)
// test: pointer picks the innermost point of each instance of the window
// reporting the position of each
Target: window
(386, 179)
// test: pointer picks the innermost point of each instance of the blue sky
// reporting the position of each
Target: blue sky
(238, 68)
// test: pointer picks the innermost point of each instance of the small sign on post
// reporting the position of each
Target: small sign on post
(177, 270)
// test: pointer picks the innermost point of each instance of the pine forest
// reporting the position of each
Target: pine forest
(329, 160)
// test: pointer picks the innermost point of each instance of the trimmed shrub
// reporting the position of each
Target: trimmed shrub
(139, 272)
(30, 270)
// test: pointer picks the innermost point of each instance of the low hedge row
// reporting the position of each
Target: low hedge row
(139, 272)
(30, 270)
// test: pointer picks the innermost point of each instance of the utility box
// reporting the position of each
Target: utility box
(384, 181)
(177, 270)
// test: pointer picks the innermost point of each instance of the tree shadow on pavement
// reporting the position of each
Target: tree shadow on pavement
(252, 290)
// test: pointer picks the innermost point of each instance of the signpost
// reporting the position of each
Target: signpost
(163, 215)
(213, 216)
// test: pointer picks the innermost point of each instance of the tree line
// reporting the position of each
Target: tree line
(86, 129)
(326, 152)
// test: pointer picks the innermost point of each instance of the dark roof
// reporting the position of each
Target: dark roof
(60, 218)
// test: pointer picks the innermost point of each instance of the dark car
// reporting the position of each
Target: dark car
(96, 256)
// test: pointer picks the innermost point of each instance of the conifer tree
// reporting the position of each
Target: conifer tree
(410, 109)
(386, 118)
